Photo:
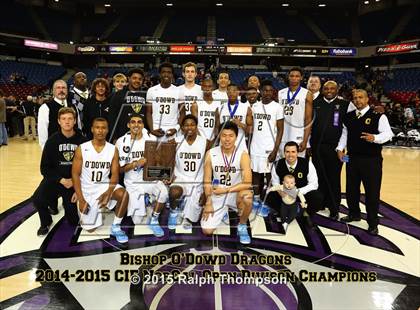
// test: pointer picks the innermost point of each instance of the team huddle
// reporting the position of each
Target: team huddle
(231, 154)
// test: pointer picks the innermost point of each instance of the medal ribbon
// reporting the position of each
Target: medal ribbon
(290, 100)
(232, 113)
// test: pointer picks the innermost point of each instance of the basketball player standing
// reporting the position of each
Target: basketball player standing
(297, 108)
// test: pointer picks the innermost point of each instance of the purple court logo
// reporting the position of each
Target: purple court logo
(317, 255)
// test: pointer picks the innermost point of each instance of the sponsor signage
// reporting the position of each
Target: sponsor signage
(86, 49)
(182, 49)
(211, 49)
(397, 48)
(151, 48)
(270, 50)
(308, 51)
(41, 44)
(121, 49)
(239, 49)
(342, 51)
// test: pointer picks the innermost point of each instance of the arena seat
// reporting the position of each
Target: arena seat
(402, 84)
(38, 77)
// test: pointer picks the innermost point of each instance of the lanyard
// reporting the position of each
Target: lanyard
(227, 162)
(232, 113)
(290, 100)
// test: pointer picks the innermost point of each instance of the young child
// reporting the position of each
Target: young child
(289, 205)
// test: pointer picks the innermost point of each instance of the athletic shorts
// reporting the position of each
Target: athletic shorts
(93, 219)
(221, 206)
(191, 192)
(136, 204)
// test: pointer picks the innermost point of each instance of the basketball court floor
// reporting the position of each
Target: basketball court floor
(89, 271)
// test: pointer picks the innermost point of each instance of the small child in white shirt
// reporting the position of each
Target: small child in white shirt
(289, 193)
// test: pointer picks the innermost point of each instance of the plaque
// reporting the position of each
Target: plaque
(160, 160)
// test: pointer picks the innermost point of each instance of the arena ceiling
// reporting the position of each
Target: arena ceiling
(286, 4)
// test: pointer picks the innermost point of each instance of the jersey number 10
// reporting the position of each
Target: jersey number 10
(96, 177)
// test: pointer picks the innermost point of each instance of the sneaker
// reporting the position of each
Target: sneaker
(256, 204)
(186, 224)
(172, 220)
(155, 227)
(263, 211)
(42, 231)
(244, 238)
(147, 201)
(118, 233)
(226, 218)
(285, 227)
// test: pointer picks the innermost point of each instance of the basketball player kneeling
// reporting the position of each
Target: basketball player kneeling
(131, 148)
(94, 162)
(227, 183)
(188, 175)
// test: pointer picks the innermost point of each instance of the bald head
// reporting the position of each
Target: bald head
(80, 81)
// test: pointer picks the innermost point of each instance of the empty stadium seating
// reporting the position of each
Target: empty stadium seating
(402, 84)
(38, 77)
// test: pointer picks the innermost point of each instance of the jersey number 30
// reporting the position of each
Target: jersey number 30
(189, 165)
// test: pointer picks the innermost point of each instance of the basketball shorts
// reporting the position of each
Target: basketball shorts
(191, 193)
(93, 219)
(221, 206)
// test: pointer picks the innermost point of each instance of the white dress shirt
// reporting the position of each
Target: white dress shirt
(43, 121)
(312, 177)
(385, 133)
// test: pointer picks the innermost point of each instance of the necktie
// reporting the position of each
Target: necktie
(359, 114)
(291, 170)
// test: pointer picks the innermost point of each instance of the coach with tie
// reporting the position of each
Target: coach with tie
(364, 132)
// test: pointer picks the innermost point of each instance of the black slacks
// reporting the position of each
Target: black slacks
(328, 168)
(366, 170)
(313, 199)
(42, 197)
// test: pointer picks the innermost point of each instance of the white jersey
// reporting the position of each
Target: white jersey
(189, 159)
(240, 113)
(226, 169)
(220, 96)
(294, 114)
(189, 95)
(207, 118)
(96, 168)
(164, 106)
(265, 117)
(130, 150)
